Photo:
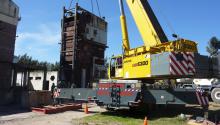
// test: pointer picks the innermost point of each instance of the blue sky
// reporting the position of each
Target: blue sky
(39, 29)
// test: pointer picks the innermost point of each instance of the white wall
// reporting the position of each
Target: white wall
(36, 79)
(18, 80)
(51, 81)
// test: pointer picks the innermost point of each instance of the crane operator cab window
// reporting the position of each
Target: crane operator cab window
(115, 65)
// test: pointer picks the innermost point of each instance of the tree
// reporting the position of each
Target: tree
(55, 66)
(213, 46)
(29, 61)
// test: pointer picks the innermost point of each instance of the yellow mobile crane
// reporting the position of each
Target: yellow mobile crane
(131, 74)
(136, 63)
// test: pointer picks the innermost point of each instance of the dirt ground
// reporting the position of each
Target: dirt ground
(15, 116)
(22, 117)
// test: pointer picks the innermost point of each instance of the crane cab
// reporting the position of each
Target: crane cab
(116, 67)
(134, 67)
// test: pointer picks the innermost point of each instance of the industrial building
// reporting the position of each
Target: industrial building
(9, 17)
(84, 40)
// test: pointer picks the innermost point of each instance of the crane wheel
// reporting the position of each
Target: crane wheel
(215, 94)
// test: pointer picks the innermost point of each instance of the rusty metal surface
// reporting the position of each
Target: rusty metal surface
(57, 109)
(78, 49)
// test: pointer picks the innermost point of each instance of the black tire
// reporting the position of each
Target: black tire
(215, 94)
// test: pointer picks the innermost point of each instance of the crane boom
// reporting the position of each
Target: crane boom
(147, 23)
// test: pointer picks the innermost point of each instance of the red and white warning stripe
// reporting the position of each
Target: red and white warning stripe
(132, 90)
(178, 67)
(202, 99)
(185, 66)
(191, 62)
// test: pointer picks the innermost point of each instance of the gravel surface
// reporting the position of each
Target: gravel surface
(31, 118)
(16, 116)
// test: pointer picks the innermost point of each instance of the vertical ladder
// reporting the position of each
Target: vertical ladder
(115, 95)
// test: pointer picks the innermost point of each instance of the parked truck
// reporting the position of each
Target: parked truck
(211, 86)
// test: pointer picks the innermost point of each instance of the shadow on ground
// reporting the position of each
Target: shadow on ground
(11, 109)
(170, 111)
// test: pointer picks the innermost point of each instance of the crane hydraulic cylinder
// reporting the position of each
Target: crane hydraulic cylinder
(126, 45)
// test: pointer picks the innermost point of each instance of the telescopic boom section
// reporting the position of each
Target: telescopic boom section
(147, 23)
(126, 44)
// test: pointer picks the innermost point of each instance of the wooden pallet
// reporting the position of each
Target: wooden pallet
(57, 108)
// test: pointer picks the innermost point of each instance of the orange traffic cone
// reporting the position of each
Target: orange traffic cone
(145, 121)
(86, 109)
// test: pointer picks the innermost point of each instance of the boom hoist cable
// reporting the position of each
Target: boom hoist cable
(70, 4)
(97, 4)
(169, 24)
(92, 5)
(98, 8)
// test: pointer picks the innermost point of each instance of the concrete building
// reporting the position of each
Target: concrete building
(36, 80)
(9, 17)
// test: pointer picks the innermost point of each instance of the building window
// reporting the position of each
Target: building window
(15, 12)
(37, 78)
(30, 78)
(95, 32)
(52, 78)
